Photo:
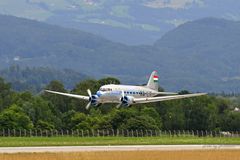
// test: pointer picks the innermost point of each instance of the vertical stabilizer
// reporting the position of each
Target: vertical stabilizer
(153, 81)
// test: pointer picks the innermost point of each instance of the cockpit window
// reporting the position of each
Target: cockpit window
(105, 89)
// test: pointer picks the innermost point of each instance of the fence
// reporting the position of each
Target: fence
(113, 133)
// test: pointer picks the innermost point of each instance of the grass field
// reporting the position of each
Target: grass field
(129, 155)
(80, 141)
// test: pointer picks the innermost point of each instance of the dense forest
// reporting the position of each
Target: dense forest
(34, 79)
(23, 110)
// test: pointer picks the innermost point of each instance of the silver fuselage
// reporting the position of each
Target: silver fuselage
(113, 93)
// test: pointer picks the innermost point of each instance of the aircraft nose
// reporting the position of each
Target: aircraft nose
(99, 93)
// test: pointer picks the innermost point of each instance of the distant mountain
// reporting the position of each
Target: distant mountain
(35, 79)
(201, 55)
(30, 43)
(205, 53)
(125, 21)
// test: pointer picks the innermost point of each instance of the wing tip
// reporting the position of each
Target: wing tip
(46, 90)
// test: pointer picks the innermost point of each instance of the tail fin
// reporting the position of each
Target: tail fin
(153, 81)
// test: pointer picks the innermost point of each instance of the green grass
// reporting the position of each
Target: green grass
(80, 141)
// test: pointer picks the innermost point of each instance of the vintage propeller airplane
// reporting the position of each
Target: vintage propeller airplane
(126, 95)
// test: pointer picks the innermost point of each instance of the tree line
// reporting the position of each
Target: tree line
(24, 110)
(34, 79)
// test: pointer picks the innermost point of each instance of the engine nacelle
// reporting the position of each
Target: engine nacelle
(127, 101)
(94, 100)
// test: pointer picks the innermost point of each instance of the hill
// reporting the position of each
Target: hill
(36, 78)
(27, 41)
(31, 43)
(126, 21)
(203, 54)
(200, 55)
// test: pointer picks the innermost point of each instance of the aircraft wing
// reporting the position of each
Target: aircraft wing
(69, 95)
(166, 93)
(165, 98)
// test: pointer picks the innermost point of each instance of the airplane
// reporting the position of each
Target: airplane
(127, 95)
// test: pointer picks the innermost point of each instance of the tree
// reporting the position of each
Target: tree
(118, 117)
(230, 121)
(80, 121)
(43, 125)
(174, 119)
(108, 80)
(131, 118)
(222, 105)
(66, 119)
(39, 109)
(184, 92)
(48, 111)
(61, 103)
(201, 113)
(81, 87)
(5, 94)
(151, 112)
(172, 113)
(14, 118)
(140, 123)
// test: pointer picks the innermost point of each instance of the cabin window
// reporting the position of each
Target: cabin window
(105, 89)
(102, 89)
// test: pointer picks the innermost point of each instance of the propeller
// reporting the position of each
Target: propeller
(89, 93)
(118, 106)
(122, 93)
(90, 97)
(88, 105)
